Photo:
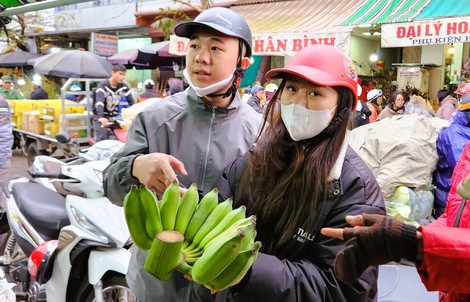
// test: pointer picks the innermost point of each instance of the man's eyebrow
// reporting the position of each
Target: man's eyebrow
(216, 39)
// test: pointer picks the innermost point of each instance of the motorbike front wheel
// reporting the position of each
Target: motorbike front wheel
(115, 288)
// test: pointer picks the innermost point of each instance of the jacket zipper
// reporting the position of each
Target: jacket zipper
(459, 213)
(207, 148)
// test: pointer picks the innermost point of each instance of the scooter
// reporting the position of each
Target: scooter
(68, 248)
(101, 151)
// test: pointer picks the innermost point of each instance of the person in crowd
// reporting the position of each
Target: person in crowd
(361, 114)
(450, 143)
(72, 96)
(38, 92)
(440, 250)
(246, 94)
(419, 105)
(395, 106)
(109, 98)
(447, 104)
(149, 92)
(270, 90)
(257, 99)
(6, 137)
(209, 119)
(374, 103)
(176, 85)
(302, 176)
(7, 90)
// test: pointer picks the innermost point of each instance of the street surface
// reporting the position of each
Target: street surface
(19, 166)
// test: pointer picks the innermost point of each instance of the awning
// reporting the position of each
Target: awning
(442, 9)
(387, 11)
(14, 7)
(285, 27)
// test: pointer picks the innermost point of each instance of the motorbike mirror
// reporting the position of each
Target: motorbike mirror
(62, 138)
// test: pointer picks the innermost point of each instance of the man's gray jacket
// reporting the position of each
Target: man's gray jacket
(205, 138)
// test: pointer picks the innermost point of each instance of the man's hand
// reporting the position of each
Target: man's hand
(103, 121)
(157, 170)
(374, 240)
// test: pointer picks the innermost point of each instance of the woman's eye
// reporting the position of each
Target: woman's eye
(314, 93)
(290, 88)
(194, 46)
(215, 48)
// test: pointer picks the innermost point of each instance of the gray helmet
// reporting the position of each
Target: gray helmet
(223, 20)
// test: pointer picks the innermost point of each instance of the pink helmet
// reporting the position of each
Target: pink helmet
(324, 65)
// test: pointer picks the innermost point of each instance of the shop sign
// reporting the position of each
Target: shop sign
(409, 72)
(278, 44)
(104, 45)
(429, 32)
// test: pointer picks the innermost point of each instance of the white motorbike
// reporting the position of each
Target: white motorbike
(72, 248)
(101, 151)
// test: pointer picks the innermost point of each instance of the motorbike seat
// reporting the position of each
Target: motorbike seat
(42, 207)
(54, 167)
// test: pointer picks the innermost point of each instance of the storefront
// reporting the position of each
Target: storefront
(433, 35)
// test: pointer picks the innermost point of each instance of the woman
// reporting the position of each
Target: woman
(300, 177)
(447, 104)
(374, 103)
(395, 106)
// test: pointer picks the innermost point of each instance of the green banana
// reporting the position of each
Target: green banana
(153, 221)
(169, 206)
(215, 260)
(246, 223)
(186, 208)
(142, 216)
(220, 211)
(203, 210)
(249, 238)
(232, 217)
(236, 270)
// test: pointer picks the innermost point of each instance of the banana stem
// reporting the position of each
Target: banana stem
(165, 254)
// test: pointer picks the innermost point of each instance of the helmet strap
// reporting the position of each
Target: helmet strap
(239, 74)
(339, 118)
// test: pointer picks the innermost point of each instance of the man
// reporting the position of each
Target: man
(7, 91)
(38, 93)
(190, 136)
(148, 93)
(110, 94)
(6, 137)
(257, 99)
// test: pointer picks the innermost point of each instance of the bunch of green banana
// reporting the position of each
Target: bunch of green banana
(142, 216)
(228, 256)
(218, 244)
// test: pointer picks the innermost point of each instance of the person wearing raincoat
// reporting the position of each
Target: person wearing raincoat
(450, 144)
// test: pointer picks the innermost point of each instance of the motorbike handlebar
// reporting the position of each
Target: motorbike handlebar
(39, 174)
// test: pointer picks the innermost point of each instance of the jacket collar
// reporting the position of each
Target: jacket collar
(198, 104)
(335, 172)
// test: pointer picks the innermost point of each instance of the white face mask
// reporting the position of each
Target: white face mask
(211, 88)
(302, 123)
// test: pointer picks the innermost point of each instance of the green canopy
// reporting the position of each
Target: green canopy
(12, 3)
(387, 11)
(443, 9)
